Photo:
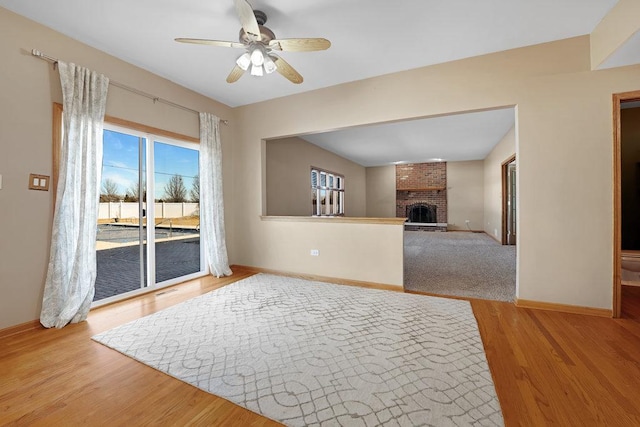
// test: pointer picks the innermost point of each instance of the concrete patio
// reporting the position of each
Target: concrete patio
(119, 268)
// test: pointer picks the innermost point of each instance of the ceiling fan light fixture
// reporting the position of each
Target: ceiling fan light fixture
(257, 70)
(257, 56)
(269, 65)
(258, 42)
(244, 61)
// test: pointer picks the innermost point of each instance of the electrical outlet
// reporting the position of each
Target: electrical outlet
(315, 252)
(466, 221)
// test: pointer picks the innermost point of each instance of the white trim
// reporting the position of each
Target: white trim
(151, 214)
(147, 290)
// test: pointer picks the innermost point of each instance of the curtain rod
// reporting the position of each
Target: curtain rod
(54, 61)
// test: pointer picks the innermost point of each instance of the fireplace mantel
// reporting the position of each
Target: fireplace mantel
(422, 189)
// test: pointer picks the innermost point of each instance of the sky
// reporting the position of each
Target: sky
(120, 162)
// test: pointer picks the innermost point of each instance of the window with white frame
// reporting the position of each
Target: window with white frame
(327, 193)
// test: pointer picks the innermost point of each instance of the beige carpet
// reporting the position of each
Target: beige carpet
(459, 264)
(316, 354)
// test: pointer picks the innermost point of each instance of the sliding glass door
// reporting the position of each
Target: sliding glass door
(177, 210)
(148, 231)
(121, 235)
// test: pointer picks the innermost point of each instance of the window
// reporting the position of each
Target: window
(327, 193)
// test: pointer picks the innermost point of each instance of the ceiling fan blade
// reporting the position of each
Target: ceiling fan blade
(287, 70)
(211, 42)
(247, 19)
(300, 45)
(235, 74)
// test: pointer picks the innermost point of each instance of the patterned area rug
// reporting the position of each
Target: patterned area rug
(310, 353)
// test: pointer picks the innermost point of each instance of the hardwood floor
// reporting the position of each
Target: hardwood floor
(549, 368)
(631, 302)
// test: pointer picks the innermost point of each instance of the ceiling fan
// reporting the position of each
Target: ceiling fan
(259, 43)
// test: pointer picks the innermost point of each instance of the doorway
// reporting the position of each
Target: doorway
(509, 201)
(626, 184)
(148, 231)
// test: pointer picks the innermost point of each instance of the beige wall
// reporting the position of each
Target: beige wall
(366, 252)
(381, 191)
(505, 149)
(465, 195)
(563, 144)
(29, 86)
(564, 147)
(288, 169)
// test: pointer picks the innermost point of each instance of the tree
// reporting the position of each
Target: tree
(174, 190)
(195, 189)
(109, 191)
(133, 193)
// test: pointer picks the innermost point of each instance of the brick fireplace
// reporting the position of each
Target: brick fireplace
(421, 195)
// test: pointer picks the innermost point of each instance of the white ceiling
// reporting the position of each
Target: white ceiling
(458, 137)
(369, 38)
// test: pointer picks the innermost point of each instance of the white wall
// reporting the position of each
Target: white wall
(465, 195)
(504, 150)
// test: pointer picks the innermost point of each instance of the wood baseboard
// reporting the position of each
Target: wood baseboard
(565, 308)
(27, 326)
(327, 279)
(431, 294)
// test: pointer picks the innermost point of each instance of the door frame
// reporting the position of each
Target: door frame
(618, 98)
(505, 205)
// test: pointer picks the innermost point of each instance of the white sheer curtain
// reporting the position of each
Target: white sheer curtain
(211, 204)
(71, 275)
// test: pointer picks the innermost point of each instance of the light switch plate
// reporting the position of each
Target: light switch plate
(38, 182)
